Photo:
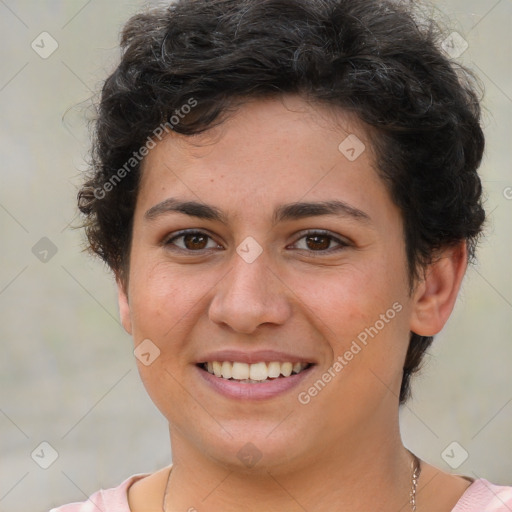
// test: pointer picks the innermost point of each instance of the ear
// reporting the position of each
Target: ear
(124, 306)
(435, 295)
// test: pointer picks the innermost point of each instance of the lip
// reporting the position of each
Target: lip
(248, 357)
(259, 391)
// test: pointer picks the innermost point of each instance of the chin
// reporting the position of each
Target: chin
(255, 447)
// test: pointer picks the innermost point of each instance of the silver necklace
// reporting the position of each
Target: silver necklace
(415, 466)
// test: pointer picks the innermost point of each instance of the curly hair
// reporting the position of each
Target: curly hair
(378, 59)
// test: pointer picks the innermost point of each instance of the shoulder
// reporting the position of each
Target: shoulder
(114, 499)
(483, 496)
(146, 494)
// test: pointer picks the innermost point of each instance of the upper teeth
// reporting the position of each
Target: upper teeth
(256, 372)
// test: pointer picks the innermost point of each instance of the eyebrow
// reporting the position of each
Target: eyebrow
(285, 212)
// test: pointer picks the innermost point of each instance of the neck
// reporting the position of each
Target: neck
(371, 471)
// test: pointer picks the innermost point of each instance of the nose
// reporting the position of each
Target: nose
(250, 295)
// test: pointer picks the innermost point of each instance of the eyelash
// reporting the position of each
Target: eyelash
(342, 244)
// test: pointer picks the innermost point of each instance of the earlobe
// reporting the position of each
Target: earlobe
(124, 306)
(435, 296)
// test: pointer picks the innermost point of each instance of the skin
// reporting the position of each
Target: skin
(342, 450)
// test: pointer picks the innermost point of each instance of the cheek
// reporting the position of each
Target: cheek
(351, 297)
(162, 297)
(361, 311)
(163, 306)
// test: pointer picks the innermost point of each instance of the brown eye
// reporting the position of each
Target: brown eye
(320, 242)
(192, 241)
(195, 241)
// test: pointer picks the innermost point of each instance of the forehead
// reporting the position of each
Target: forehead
(268, 151)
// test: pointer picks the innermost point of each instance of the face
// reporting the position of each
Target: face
(235, 292)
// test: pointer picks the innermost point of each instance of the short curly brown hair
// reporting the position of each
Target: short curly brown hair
(372, 58)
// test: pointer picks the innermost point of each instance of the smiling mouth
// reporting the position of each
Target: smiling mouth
(255, 373)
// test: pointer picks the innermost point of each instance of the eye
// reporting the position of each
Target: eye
(199, 241)
(320, 241)
(191, 241)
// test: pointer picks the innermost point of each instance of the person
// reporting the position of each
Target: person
(287, 194)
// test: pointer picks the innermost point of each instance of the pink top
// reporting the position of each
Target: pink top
(480, 496)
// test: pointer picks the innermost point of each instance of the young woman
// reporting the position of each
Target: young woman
(287, 193)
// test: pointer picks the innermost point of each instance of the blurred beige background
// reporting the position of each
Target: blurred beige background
(67, 371)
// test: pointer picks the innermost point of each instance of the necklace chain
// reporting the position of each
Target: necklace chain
(416, 470)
